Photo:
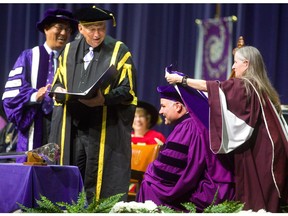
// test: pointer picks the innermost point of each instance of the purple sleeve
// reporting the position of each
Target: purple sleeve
(193, 173)
(185, 136)
(16, 105)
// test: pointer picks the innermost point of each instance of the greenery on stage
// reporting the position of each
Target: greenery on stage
(284, 209)
(107, 205)
(100, 206)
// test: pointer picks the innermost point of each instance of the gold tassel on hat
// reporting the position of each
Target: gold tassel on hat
(114, 21)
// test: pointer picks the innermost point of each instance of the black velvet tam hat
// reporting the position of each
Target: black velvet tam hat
(152, 111)
(58, 15)
(92, 14)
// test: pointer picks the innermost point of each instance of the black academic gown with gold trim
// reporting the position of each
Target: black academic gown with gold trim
(109, 127)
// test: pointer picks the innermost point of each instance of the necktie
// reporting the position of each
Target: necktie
(48, 102)
(50, 75)
(88, 57)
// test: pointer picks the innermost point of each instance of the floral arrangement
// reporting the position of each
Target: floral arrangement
(114, 205)
(135, 207)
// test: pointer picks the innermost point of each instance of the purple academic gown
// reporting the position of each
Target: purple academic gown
(27, 76)
(186, 170)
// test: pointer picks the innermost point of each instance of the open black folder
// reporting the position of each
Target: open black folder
(104, 80)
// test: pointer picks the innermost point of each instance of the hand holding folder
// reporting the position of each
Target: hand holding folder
(103, 82)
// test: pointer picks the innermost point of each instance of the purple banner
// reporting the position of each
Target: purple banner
(216, 55)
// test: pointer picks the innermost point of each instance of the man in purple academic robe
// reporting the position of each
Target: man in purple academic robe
(25, 99)
(186, 170)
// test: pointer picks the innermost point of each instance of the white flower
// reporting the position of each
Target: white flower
(251, 211)
(150, 205)
(133, 207)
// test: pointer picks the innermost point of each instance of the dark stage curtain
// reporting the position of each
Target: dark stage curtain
(158, 35)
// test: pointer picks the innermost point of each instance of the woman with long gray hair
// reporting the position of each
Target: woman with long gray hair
(246, 119)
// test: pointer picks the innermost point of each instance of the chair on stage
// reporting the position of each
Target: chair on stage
(142, 156)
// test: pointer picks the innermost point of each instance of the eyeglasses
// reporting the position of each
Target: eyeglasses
(61, 27)
(95, 28)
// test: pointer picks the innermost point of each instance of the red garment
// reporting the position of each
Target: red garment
(258, 138)
(149, 138)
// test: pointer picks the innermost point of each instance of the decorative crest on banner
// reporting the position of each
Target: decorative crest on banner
(214, 48)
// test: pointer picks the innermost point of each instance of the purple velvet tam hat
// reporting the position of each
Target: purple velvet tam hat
(169, 92)
(195, 101)
(57, 15)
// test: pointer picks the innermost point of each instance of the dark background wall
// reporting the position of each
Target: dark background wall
(158, 35)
